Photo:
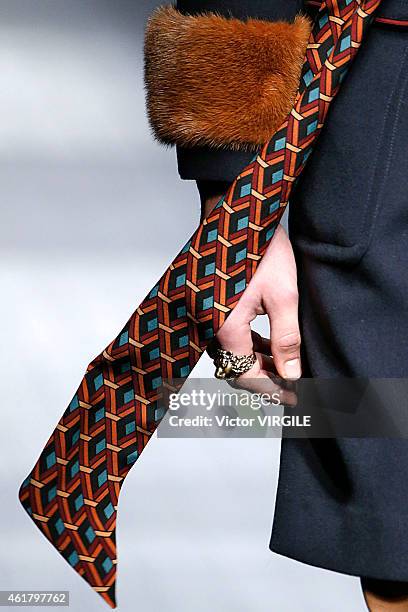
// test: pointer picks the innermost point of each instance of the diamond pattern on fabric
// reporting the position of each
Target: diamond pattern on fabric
(117, 406)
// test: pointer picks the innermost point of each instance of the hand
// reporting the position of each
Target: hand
(272, 291)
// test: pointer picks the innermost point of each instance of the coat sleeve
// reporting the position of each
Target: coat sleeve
(220, 77)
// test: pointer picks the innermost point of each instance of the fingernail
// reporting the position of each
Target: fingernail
(292, 369)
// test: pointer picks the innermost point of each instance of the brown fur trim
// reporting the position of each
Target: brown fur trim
(218, 81)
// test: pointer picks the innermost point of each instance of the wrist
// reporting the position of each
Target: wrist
(210, 194)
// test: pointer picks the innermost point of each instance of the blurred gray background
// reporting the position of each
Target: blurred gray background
(92, 211)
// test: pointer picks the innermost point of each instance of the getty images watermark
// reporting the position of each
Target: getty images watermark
(211, 408)
(211, 402)
(308, 408)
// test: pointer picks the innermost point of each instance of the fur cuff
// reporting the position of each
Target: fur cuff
(218, 81)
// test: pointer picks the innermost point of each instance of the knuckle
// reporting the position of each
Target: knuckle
(289, 342)
(288, 296)
(228, 328)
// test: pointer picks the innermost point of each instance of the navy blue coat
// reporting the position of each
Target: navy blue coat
(342, 504)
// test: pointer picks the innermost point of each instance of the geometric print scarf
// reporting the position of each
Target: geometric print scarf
(72, 491)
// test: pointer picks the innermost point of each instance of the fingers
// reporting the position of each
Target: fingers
(235, 334)
(273, 290)
(238, 337)
(285, 334)
(260, 345)
(266, 384)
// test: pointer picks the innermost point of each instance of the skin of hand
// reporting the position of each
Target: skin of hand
(272, 291)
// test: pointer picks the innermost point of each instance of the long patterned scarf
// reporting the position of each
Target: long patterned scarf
(72, 491)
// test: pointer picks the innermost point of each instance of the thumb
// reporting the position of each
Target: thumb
(285, 335)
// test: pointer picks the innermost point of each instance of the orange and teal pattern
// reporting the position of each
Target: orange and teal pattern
(72, 491)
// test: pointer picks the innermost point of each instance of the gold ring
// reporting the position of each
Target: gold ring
(229, 366)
